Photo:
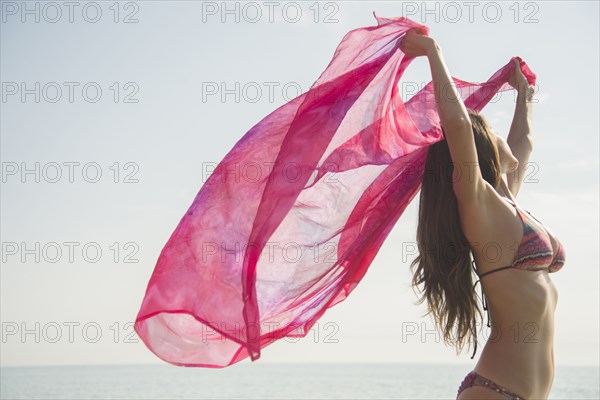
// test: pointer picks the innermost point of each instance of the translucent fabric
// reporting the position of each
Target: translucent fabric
(291, 219)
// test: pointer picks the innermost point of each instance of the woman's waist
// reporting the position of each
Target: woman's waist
(528, 340)
(527, 314)
(527, 326)
(528, 371)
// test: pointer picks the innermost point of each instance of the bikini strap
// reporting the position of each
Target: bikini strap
(510, 201)
(494, 270)
(483, 301)
(520, 210)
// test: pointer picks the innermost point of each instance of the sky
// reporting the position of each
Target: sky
(112, 114)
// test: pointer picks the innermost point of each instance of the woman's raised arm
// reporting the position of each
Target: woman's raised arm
(468, 183)
(519, 136)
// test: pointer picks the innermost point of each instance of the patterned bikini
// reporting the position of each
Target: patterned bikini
(534, 253)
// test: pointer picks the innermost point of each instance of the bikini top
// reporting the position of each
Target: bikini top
(534, 253)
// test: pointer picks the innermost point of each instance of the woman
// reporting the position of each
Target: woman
(467, 207)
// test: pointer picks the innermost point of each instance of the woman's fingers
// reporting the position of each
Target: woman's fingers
(415, 43)
(516, 78)
(518, 68)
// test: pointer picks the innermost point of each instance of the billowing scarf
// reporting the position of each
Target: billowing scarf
(290, 220)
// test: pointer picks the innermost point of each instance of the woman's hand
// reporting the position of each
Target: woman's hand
(517, 80)
(415, 43)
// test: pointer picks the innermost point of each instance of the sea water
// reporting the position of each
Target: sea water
(264, 381)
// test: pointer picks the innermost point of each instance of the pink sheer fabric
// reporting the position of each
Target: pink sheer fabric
(291, 219)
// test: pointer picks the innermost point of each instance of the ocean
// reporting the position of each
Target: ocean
(264, 381)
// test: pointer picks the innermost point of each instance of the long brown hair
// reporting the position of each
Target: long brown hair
(443, 265)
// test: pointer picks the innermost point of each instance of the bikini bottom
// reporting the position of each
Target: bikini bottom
(474, 379)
